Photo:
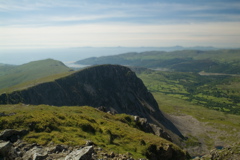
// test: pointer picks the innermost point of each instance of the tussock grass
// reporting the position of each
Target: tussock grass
(75, 125)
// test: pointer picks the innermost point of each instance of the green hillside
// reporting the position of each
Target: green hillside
(220, 93)
(76, 125)
(220, 61)
(15, 75)
(4, 68)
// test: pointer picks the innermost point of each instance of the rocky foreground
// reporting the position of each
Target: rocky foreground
(12, 147)
(24, 151)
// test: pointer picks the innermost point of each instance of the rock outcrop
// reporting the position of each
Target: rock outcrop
(143, 125)
(115, 87)
(81, 154)
(12, 135)
(36, 153)
(5, 147)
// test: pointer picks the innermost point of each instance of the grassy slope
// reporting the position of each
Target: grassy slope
(32, 72)
(76, 125)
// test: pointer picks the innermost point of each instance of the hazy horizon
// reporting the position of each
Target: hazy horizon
(100, 23)
(36, 29)
(70, 55)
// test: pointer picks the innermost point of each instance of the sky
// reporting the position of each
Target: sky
(111, 23)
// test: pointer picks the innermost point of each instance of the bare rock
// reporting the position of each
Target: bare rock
(12, 135)
(36, 153)
(112, 155)
(145, 126)
(57, 149)
(160, 132)
(4, 148)
(165, 152)
(81, 154)
(89, 143)
(102, 108)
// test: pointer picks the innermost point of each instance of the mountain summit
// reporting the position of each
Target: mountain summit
(115, 87)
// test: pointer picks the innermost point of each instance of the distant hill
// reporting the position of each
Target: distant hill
(220, 61)
(14, 75)
(4, 68)
(218, 92)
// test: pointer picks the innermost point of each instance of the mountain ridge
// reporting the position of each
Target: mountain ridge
(222, 61)
(115, 87)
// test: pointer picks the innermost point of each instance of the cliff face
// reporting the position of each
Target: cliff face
(115, 87)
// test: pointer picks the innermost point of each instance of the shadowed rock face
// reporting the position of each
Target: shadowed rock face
(115, 87)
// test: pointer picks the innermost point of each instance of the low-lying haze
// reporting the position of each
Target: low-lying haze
(32, 29)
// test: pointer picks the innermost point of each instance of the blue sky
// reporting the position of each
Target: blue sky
(108, 23)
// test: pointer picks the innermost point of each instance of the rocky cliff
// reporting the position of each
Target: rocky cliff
(115, 87)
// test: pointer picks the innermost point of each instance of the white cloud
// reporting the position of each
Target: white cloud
(116, 24)
(101, 35)
(47, 12)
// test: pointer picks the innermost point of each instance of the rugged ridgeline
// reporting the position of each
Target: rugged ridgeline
(115, 87)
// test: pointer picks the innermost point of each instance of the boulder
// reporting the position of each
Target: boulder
(89, 143)
(160, 132)
(5, 147)
(145, 126)
(81, 154)
(57, 149)
(165, 152)
(12, 135)
(36, 153)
